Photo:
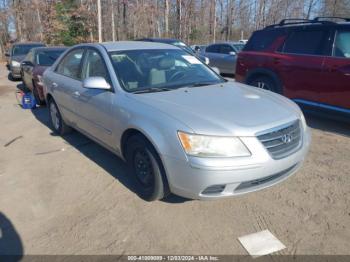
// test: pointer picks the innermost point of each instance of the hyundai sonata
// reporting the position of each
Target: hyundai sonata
(181, 127)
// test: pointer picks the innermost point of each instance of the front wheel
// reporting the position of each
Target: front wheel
(147, 169)
(58, 124)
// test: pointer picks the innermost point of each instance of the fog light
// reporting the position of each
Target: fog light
(217, 189)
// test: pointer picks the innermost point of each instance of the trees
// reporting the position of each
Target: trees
(194, 21)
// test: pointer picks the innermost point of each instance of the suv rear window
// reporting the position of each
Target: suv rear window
(265, 40)
(306, 42)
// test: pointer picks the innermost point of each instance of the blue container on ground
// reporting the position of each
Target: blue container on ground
(28, 101)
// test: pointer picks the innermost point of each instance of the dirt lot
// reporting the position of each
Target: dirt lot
(71, 196)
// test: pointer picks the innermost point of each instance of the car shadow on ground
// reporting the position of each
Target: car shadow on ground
(112, 164)
(11, 247)
(328, 125)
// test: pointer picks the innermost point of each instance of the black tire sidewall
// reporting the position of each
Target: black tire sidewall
(59, 131)
(273, 86)
(159, 188)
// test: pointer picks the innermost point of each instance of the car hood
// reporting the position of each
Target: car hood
(224, 109)
(18, 58)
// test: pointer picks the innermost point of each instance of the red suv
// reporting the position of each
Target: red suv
(305, 60)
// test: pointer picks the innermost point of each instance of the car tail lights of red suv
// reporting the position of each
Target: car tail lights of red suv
(305, 60)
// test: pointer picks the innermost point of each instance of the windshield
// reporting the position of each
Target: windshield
(160, 70)
(47, 58)
(183, 46)
(22, 49)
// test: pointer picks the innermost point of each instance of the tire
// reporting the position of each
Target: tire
(57, 123)
(36, 95)
(265, 82)
(147, 169)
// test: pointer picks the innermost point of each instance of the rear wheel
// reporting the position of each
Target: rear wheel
(147, 169)
(38, 100)
(58, 124)
(265, 82)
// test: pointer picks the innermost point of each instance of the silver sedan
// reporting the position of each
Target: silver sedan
(223, 56)
(181, 128)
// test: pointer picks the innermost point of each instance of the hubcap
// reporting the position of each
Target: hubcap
(54, 116)
(143, 168)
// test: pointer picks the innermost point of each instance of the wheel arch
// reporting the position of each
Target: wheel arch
(132, 131)
(260, 72)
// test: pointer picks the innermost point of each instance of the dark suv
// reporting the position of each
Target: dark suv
(305, 60)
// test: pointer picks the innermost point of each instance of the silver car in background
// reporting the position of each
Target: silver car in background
(223, 56)
(181, 128)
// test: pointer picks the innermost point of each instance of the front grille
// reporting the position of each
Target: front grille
(284, 141)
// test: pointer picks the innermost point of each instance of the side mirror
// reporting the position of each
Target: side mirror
(7, 54)
(216, 70)
(26, 63)
(96, 82)
(232, 53)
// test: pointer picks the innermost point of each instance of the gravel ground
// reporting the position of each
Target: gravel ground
(71, 196)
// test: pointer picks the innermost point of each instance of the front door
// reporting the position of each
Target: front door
(337, 73)
(302, 63)
(94, 106)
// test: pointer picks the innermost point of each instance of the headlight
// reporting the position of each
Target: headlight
(15, 64)
(303, 121)
(40, 80)
(207, 60)
(212, 146)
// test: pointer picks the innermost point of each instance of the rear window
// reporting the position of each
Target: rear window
(47, 58)
(306, 42)
(265, 40)
(23, 49)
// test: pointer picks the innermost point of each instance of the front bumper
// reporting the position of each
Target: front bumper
(16, 71)
(193, 178)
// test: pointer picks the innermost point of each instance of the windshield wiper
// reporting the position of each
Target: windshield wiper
(197, 84)
(152, 90)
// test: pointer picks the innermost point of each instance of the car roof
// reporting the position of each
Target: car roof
(294, 26)
(51, 48)
(135, 45)
(29, 43)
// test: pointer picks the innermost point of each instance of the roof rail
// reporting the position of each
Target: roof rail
(302, 20)
(319, 18)
(298, 21)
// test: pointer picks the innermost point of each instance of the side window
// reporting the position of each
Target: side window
(342, 44)
(266, 40)
(226, 49)
(306, 42)
(70, 64)
(94, 65)
(213, 49)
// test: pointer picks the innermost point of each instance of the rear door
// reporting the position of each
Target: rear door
(336, 77)
(301, 65)
(94, 106)
(66, 82)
